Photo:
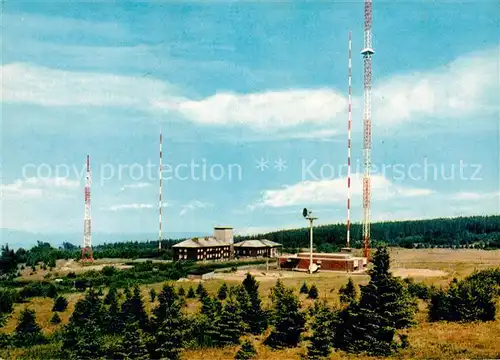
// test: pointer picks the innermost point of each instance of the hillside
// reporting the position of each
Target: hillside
(474, 231)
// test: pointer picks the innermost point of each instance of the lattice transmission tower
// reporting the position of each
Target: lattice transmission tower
(367, 53)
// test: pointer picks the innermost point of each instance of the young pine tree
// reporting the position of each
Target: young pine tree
(222, 293)
(133, 310)
(384, 307)
(152, 295)
(191, 294)
(181, 292)
(82, 342)
(348, 293)
(322, 332)
(55, 319)
(255, 316)
(112, 318)
(169, 326)
(287, 319)
(201, 291)
(90, 307)
(112, 294)
(28, 332)
(60, 304)
(132, 345)
(313, 292)
(304, 289)
(246, 352)
(229, 325)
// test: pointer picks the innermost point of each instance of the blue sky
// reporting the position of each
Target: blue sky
(233, 84)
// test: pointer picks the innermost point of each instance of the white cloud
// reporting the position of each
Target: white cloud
(26, 83)
(34, 188)
(472, 196)
(270, 110)
(138, 185)
(193, 205)
(334, 191)
(129, 207)
(469, 85)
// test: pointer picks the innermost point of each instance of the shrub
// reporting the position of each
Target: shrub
(55, 319)
(304, 289)
(313, 292)
(246, 351)
(60, 304)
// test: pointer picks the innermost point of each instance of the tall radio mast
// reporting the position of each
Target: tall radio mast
(160, 200)
(349, 123)
(367, 53)
(87, 221)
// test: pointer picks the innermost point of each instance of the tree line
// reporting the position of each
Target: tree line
(468, 232)
(372, 318)
(462, 232)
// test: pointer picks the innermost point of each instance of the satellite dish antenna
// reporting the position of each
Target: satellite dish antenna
(305, 212)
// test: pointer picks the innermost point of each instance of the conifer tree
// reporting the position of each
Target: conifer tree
(287, 319)
(90, 307)
(132, 345)
(229, 325)
(304, 289)
(222, 293)
(246, 352)
(112, 317)
(255, 316)
(82, 342)
(55, 319)
(181, 292)
(384, 307)
(112, 294)
(100, 292)
(28, 332)
(191, 294)
(201, 291)
(348, 293)
(169, 326)
(322, 332)
(60, 304)
(133, 310)
(313, 292)
(152, 295)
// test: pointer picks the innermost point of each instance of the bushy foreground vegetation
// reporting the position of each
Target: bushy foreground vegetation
(372, 318)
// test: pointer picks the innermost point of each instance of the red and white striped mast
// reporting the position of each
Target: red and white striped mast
(367, 53)
(87, 221)
(160, 199)
(349, 124)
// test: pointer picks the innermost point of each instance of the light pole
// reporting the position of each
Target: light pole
(307, 214)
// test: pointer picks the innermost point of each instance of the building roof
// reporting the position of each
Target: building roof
(257, 243)
(201, 242)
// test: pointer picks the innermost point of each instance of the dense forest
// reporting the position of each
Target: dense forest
(467, 232)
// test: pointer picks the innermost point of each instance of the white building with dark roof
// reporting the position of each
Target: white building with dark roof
(221, 247)
(217, 247)
(257, 248)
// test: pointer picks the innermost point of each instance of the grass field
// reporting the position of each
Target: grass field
(427, 340)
